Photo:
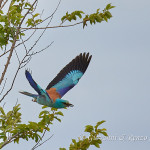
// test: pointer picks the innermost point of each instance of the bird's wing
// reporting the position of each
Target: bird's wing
(69, 76)
(34, 85)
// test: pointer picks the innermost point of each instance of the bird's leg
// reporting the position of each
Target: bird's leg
(34, 100)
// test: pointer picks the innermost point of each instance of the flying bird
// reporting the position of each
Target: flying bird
(65, 80)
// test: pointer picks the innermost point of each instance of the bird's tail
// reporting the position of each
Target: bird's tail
(28, 94)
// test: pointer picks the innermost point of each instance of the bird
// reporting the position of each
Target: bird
(65, 80)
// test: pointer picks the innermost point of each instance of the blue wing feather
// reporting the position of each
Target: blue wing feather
(34, 85)
(70, 80)
(69, 76)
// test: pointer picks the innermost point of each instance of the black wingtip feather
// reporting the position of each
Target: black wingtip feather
(80, 62)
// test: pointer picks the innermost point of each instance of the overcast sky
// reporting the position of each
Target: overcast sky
(116, 85)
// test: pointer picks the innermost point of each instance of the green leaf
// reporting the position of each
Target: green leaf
(108, 6)
(57, 119)
(63, 18)
(36, 138)
(53, 109)
(99, 123)
(102, 132)
(2, 110)
(74, 141)
(108, 14)
(43, 107)
(99, 141)
(112, 7)
(33, 125)
(98, 18)
(105, 18)
(45, 112)
(35, 15)
(103, 129)
(85, 22)
(59, 113)
(97, 145)
(1, 12)
(88, 128)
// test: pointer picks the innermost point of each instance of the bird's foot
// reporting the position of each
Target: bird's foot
(34, 100)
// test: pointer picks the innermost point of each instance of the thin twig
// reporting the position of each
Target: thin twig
(52, 13)
(4, 104)
(23, 61)
(1, 7)
(37, 144)
(40, 139)
(45, 18)
(24, 45)
(43, 142)
(40, 36)
(3, 86)
(11, 84)
(17, 56)
(34, 53)
(55, 26)
(35, 7)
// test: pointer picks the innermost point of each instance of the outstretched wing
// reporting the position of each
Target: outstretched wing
(34, 85)
(69, 76)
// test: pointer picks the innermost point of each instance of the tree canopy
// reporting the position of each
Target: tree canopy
(16, 18)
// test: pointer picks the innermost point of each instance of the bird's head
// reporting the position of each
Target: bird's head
(60, 103)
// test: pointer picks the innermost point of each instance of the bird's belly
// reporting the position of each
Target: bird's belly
(45, 101)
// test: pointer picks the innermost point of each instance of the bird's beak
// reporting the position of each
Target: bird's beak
(69, 105)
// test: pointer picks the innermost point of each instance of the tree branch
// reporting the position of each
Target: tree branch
(42, 142)
(3, 4)
(13, 44)
(25, 29)
(24, 61)
(19, 43)
(34, 53)
(55, 26)
(10, 140)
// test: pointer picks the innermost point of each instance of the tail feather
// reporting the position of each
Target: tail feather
(28, 94)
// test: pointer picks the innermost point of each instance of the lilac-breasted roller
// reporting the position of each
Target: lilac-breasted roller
(65, 80)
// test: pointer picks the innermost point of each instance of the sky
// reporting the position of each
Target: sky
(115, 86)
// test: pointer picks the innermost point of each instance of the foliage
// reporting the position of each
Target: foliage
(11, 128)
(93, 139)
(14, 22)
(93, 18)
(11, 20)
(72, 16)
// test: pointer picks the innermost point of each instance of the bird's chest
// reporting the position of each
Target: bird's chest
(53, 94)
